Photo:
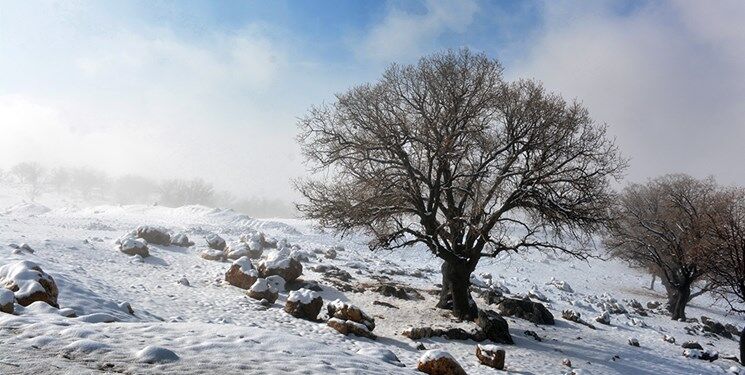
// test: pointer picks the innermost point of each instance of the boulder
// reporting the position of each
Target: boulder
(525, 309)
(399, 291)
(304, 304)
(7, 301)
(134, 246)
(733, 330)
(494, 326)
(704, 355)
(236, 250)
(181, 240)
(261, 290)
(439, 362)
(242, 273)
(574, 316)
(345, 311)
(346, 327)
(633, 341)
(278, 283)
(153, 235)
(288, 268)
(668, 338)
(711, 325)
(384, 355)
(603, 318)
(156, 354)
(692, 345)
(490, 355)
(215, 242)
(29, 283)
(212, 254)
(330, 253)
(653, 304)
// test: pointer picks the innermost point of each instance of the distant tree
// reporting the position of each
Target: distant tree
(89, 182)
(178, 192)
(725, 260)
(30, 174)
(132, 189)
(446, 154)
(662, 226)
(59, 178)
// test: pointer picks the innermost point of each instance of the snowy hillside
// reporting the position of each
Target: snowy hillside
(186, 319)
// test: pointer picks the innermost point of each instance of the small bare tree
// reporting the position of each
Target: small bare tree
(725, 261)
(446, 154)
(662, 226)
(30, 174)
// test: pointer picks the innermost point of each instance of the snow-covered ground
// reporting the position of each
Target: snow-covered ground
(213, 327)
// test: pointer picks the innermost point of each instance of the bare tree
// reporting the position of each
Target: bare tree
(446, 154)
(725, 264)
(662, 226)
(30, 174)
(131, 189)
(177, 192)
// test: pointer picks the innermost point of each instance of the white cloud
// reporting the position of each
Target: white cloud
(403, 35)
(666, 78)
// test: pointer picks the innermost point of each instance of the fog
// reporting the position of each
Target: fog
(184, 92)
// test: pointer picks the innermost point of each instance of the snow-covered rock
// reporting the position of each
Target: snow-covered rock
(7, 301)
(439, 362)
(382, 354)
(346, 311)
(181, 240)
(156, 354)
(29, 283)
(261, 290)
(134, 246)
(212, 254)
(285, 266)
(304, 304)
(215, 242)
(242, 273)
(277, 282)
(153, 235)
(490, 355)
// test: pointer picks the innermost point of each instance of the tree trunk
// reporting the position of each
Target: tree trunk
(456, 294)
(742, 347)
(651, 286)
(678, 301)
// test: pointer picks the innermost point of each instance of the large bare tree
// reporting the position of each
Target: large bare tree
(662, 225)
(725, 263)
(447, 154)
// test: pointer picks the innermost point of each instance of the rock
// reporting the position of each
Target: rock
(574, 316)
(262, 290)
(288, 268)
(705, 355)
(535, 293)
(153, 235)
(603, 318)
(126, 307)
(134, 246)
(156, 354)
(400, 292)
(561, 285)
(490, 355)
(346, 327)
(256, 242)
(711, 325)
(236, 250)
(242, 273)
(300, 284)
(25, 247)
(420, 346)
(97, 318)
(653, 304)
(212, 254)
(525, 309)
(345, 311)
(692, 345)
(181, 240)
(734, 331)
(330, 253)
(566, 362)
(669, 339)
(633, 341)
(332, 272)
(184, 281)
(384, 304)
(215, 242)
(304, 304)
(438, 362)
(533, 334)
(384, 355)
(494, 326)
(278, 283)
(7, 301)
(492, 296)
(29, 283)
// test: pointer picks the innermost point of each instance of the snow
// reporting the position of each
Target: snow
(435, 354)
(215, 328)
(303, 296)
(245, 265)
(261, 285)
(156, 354)
(6, 297)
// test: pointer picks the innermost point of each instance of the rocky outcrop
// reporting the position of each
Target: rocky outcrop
(242, 273)
(153, 235)
(494, 326)
(29, 283)
(134, 246)
(490, 355)
(525, 309)
(304, 304)
(439, 362)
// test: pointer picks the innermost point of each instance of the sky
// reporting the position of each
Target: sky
(213, 89)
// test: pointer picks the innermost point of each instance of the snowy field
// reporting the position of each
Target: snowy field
(214, 328)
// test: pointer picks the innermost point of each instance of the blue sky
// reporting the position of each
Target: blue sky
(213, 89)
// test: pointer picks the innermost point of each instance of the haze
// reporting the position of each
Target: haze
(213, 89)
